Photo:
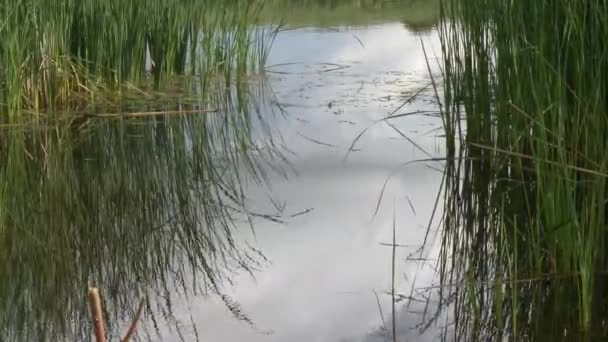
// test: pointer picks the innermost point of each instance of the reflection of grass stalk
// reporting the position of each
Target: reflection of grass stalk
(143, 178)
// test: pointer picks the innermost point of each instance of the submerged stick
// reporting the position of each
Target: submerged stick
(133, 325)
(96, 314)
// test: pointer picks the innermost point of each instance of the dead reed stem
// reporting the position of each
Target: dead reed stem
(97, 315)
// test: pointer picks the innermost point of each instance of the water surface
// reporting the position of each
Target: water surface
(265, 220)
(324, 265)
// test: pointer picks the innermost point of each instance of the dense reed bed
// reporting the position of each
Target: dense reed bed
(59, 55)
(525, 229)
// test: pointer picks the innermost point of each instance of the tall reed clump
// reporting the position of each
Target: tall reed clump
(56, 54)
(525, 112)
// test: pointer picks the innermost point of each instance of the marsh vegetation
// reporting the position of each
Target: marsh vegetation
(61, 56)
(525, 226)
(126, 137)
(131, 130)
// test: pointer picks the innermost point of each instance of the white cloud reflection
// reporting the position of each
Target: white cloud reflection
(325, 265)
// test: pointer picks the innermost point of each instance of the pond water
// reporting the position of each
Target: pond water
(325, 264)
(326, 186)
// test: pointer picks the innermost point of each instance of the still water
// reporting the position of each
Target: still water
(325, 264)
(306, 253)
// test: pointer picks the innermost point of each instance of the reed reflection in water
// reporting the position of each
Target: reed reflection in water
(141, 207)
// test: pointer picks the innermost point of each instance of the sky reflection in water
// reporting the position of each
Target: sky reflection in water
(324, 265)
